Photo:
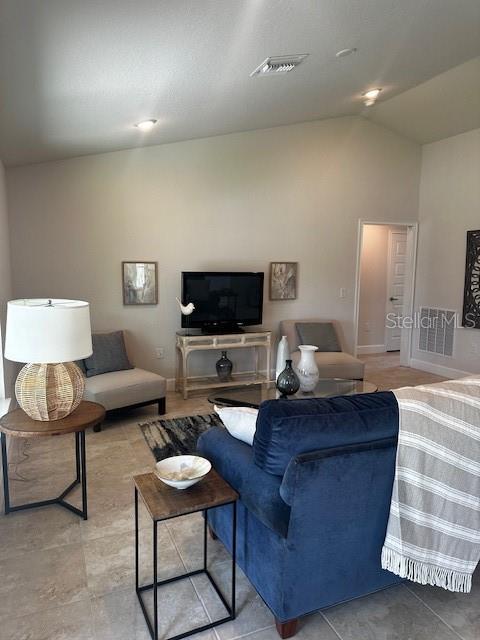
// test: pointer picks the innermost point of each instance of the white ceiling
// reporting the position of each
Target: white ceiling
(76, 74)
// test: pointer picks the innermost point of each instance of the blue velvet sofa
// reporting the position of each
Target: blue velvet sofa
(315, 493)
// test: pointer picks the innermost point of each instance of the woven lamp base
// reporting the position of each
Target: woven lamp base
(49, 391)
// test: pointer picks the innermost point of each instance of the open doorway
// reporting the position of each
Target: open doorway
(384, 288)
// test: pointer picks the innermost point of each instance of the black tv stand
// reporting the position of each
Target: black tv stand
(217, 330)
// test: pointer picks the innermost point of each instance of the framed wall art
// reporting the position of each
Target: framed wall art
(139, 281)
(283, 280)
(471, 295)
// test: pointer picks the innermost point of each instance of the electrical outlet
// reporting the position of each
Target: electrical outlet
(160, 352)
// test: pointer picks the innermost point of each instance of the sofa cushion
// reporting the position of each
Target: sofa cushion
(333, 364)
(259, 492)
(118, 389)
(286, 428)
(320, 334)
(109, 354)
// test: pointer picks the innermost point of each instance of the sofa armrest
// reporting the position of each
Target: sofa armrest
(301, 466)
(259, 491)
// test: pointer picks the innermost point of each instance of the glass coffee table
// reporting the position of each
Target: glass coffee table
(253, 395)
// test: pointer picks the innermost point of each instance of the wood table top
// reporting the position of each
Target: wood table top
(165, 502)
(18, 423)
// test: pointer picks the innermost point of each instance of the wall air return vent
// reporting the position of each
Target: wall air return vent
(437, 331)
(276, 65)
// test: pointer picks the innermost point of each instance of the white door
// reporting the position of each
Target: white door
(397, 261)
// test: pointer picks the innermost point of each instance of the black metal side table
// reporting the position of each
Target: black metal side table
(17, 424)
(163, 503)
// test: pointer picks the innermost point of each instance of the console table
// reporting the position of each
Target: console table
(187, 343)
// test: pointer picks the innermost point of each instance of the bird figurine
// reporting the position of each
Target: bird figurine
(186, 309)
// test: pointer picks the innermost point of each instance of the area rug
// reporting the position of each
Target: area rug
(177, 436)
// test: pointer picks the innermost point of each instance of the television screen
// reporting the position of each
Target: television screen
(223, 300)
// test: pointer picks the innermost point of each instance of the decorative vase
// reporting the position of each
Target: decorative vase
(306, 368)
(287, 381)
(224, 368)
(282, 354)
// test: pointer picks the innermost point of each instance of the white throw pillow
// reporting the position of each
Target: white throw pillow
(240, 422)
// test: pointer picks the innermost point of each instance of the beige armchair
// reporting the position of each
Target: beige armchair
(113, 382)
(331, 364)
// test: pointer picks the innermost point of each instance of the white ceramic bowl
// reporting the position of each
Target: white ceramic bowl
(172, 469)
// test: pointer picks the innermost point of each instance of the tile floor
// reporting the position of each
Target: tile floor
(65, 579)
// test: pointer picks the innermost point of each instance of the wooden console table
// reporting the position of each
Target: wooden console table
(186, 343)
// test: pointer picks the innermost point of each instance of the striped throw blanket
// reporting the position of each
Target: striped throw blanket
(433, 533)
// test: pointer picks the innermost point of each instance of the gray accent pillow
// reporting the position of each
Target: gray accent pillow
(320, 334)
(109, 354)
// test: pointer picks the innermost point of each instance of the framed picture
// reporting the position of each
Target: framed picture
(139, 280)
(471, 296)
(283, 280)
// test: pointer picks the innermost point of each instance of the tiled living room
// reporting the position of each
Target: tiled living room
(73, 579)
(239, 320)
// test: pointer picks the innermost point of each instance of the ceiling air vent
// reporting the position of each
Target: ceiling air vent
(278, 64)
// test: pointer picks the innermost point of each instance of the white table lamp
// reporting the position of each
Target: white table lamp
(48, 335)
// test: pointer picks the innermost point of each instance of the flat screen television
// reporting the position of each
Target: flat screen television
(224, 301)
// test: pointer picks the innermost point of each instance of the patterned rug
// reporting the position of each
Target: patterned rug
(177, 436)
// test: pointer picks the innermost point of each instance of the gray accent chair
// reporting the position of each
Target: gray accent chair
(331, 364)
(127, 388)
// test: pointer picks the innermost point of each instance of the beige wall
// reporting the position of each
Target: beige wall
(5, 284)
(229, 202)
(449, 207)
(373, 287)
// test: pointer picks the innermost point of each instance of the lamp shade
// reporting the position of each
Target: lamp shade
(48, 331)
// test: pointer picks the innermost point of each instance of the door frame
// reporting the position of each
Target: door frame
(409, 291)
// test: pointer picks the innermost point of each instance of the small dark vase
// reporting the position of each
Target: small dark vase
(224, 367)
(288, 382)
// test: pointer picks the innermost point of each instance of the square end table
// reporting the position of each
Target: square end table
(163, 503)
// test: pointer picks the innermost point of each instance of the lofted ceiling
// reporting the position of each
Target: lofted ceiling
(76, 75)
(444, 106)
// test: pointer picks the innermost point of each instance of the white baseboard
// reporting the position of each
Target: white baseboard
(371, 348)
(438, 369)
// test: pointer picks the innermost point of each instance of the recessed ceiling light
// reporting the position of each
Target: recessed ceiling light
(146, 125)
(370, 97)
(345, 52)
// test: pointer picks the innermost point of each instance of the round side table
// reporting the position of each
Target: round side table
(18, 425)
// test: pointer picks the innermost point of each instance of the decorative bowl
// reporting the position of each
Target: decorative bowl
(182, 472)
